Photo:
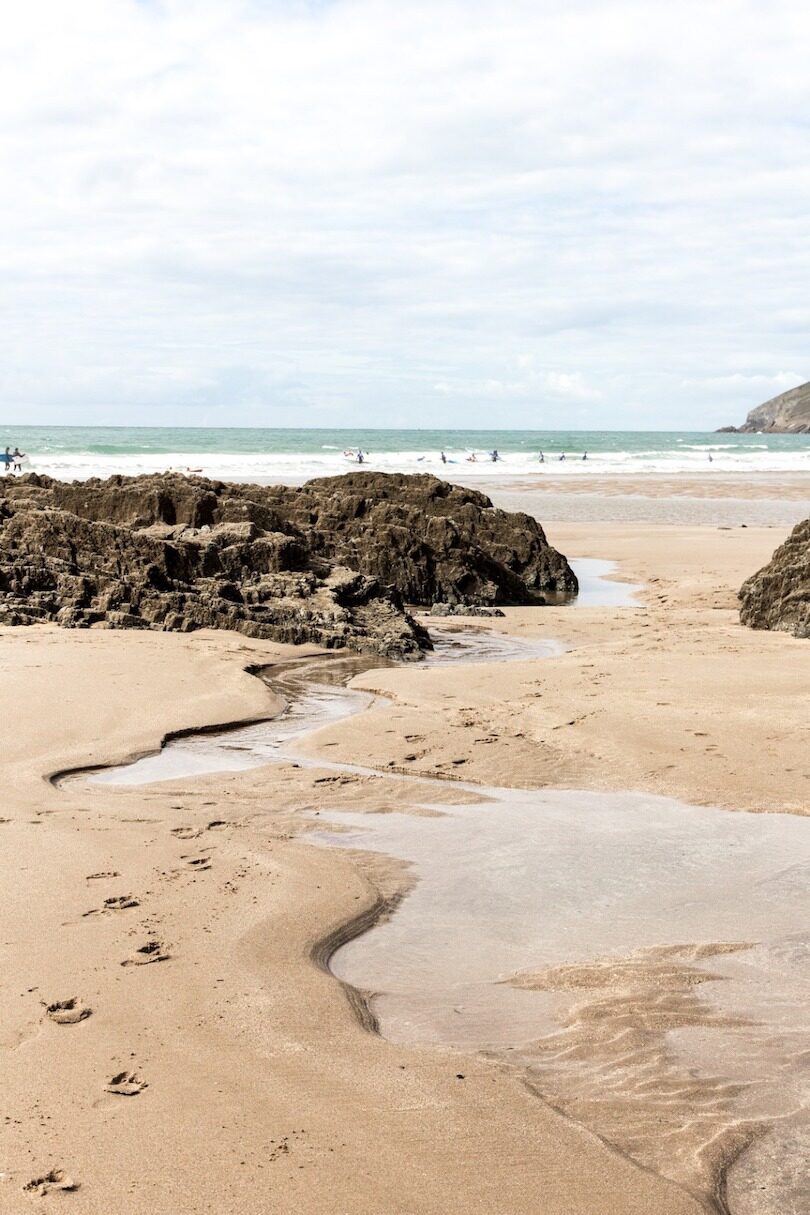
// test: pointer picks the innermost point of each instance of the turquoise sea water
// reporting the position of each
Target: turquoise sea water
(70, 451)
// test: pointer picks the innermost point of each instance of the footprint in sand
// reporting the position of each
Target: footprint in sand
(152, 951)
(98, 877)
(197, 863)
(57, 1179)
(68, 1012)
(126, 1084)
(118, 902)
(187, 833)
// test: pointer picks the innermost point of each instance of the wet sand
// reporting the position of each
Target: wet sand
(734, 487)
(687, 506)
(534, 931)
(260, 1084)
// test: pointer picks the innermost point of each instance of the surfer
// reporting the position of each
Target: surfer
(7, 458)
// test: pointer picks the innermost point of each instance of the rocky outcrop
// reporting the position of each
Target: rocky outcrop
(333, 561)
(789, 413)
(778, 595)
(463, 609)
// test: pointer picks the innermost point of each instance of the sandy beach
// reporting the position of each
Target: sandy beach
(404, 609)
(204, 1059)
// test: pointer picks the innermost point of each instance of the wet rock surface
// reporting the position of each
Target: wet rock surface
(778, 595)
(331, 562)
(463, 609)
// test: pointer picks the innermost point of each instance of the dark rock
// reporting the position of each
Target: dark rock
(432, 540)
(463, 609)
(332, 562)
(778, 595)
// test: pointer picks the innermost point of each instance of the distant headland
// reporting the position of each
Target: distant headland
(789, 413)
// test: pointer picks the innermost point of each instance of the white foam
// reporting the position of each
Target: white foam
(300, 466)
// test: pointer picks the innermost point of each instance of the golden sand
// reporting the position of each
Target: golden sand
(215, 1065)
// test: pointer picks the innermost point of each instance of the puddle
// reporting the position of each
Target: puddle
(535, 880)
(644, 962)
(597, 587)
(471, 643)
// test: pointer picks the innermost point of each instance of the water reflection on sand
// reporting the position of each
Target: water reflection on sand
(642, 959)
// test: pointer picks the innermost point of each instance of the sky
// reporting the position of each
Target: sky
(368, 212)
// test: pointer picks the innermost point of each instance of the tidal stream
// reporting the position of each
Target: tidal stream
(646, 964)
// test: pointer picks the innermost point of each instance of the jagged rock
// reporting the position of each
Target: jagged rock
(431, 540)
(463, 609)
(333, 561)
(778, 595)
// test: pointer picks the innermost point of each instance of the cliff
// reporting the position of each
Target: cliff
(788, 413)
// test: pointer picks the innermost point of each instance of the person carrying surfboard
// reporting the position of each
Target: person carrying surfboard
(17, 457)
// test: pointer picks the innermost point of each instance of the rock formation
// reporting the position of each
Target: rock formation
(778, 595)
(789, 413)
(332, 562)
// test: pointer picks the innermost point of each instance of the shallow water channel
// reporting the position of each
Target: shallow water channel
(645, 963)
(315, 693)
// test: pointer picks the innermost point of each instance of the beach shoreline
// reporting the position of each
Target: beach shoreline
(292, 455)
(281, 1089)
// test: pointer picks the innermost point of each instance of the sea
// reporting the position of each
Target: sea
(290, 456)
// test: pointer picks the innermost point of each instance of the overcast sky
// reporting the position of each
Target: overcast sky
(390, 212)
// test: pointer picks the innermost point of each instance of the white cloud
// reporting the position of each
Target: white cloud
(290, 212)
(543, 384)
(780, 382)
(567, 384)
